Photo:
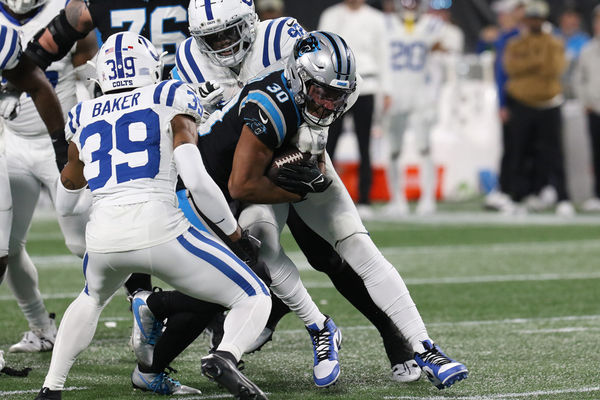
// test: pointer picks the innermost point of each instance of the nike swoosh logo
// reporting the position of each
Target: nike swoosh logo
(263, 119)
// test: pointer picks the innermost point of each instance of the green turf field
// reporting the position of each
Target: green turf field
(517, 302)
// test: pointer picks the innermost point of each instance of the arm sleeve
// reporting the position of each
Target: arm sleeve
(66, 199)
(11, 48)
(205, 191)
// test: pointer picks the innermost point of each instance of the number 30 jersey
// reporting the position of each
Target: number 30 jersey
(266, 107)
(126, 143)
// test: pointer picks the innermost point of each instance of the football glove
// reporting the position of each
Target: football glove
(9, 103)
(61, 148)
(302, 178)
(246, 248)
(211, 95)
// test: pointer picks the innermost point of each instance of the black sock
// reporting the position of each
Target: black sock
(138, 281)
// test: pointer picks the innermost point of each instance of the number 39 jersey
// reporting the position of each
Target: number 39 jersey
(126, 143)
(265, 106)
(275, 40)
(59, 73)
(163, 22)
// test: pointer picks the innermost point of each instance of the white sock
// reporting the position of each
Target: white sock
(244, 322)
(428, 179)
(74, 335)
(22, 279)
(386, 287)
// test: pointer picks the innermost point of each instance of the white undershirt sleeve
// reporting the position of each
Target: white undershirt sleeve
(204, 190)
(66, 199)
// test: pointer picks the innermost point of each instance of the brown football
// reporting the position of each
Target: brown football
(285, 156)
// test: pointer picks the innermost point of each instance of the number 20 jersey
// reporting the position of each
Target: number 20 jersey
(126, 143)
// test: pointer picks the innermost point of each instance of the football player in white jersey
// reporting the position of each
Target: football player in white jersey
(25, 76)
(413, 36)
(129, 146)
(31, 166)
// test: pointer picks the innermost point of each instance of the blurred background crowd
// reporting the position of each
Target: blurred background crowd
(471, 99)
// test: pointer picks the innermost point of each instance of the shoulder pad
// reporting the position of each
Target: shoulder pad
(187, 66)
(179, 96)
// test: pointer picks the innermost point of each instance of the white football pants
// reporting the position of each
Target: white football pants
(396, 125)
(333, 216)
(195, 263)
(31, 164)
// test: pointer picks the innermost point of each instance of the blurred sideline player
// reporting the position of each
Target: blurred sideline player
(163, 22)
(231, 53)
(413, 35)
(129, 146)
(24, 75)
(31, 165)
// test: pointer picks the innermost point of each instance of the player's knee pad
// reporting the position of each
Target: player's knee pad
(346, 224)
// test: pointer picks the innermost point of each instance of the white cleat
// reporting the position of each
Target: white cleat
(565, 209)
(591, 205)
(160, 383)
(37, 340)
(426, 207)
(406, 372)
(395, 209)
(146, 329)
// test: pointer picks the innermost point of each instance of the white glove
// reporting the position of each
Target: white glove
(310, 139)
(211, 94)
(9, 103)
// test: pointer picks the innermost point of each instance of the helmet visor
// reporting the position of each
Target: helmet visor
(325, 103)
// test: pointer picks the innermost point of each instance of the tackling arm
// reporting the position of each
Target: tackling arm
(26, 76)
(248, 181)
(197, 180)
(56, 40)
(72, 182)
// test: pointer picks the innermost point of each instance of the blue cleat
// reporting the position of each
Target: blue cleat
(146, 329)
(440, 369)
(326, 344)
(159, 383)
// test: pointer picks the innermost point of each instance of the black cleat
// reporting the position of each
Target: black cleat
(47, 394)
(223, 372)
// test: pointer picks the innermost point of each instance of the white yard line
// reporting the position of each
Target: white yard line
(15, 392)
(524, 395)
(570, 329)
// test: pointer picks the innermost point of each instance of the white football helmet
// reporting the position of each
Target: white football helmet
(411, 9)
(22, 6)
(224, 29)
(321, 74)
(127, 61)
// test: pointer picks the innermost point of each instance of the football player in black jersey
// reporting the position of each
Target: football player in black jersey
(238, 144)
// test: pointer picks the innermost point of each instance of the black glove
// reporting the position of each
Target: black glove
(302, 178)
(246, 248)
(61, 148)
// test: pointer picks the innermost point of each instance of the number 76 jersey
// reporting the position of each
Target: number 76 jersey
(126, 142)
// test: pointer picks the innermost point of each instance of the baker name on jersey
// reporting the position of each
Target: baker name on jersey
(119, 103)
